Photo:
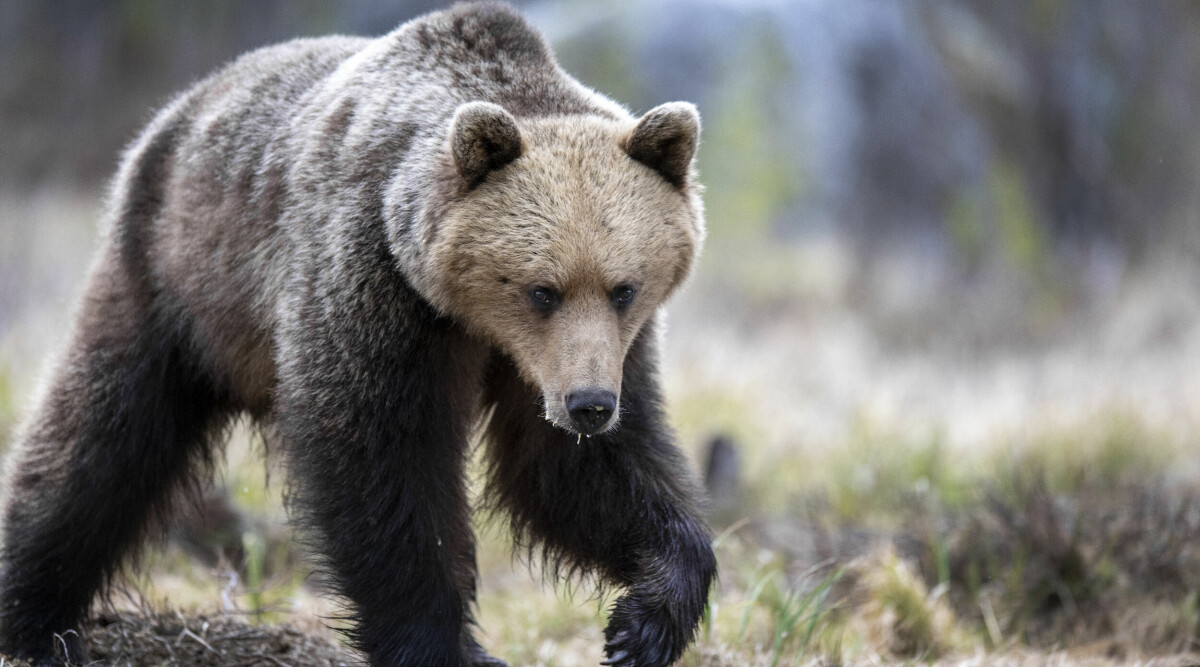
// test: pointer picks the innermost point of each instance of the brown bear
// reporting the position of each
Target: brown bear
(372, 247)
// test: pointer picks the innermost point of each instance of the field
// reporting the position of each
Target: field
(912, 465)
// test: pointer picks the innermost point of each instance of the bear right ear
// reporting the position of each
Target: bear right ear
(665, 140)
(483, 137)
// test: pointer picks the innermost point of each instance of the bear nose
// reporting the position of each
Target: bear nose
(591, 409)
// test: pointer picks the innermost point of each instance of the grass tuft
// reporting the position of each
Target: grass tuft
(900, 613)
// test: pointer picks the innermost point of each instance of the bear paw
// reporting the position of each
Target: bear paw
(644, 635)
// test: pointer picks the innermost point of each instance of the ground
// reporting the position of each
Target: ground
(921, 467)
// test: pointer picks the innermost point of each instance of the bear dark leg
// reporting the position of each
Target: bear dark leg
(376, 428)
(125, 416)
(622, 504)
(467, 571)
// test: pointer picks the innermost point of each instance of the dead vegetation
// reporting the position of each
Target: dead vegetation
(137, 640)
(1034, 560)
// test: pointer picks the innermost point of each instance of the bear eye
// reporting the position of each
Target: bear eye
(544, 299)
(622, 296)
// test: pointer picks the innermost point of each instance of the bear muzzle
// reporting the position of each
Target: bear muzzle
(591, 409)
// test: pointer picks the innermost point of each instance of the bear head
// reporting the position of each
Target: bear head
(556, 238)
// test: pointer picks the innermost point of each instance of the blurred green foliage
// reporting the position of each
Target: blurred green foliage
(750, 174)
(1022, 236)
(1055, 125)
(8, 405)
(1112, 451)
(878, 476)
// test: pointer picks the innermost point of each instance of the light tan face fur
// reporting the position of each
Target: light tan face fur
(575, 214)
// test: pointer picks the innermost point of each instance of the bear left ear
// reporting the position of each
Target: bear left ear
(665, 140)
(483, 137)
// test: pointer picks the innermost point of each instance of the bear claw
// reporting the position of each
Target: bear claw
(616, 658)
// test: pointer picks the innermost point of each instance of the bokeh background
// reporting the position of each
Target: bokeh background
(940, 363)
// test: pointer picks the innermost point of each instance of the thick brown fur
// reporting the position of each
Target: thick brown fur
(365, 246)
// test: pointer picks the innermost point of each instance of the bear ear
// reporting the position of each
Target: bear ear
(665, 140)
(483, 137)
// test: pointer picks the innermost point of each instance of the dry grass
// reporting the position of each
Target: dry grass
(137, 640)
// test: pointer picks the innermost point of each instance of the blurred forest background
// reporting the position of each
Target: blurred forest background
(941, 360)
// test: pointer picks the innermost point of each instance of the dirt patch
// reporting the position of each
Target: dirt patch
(176, 640)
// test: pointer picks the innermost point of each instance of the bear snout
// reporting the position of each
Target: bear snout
(591, 409)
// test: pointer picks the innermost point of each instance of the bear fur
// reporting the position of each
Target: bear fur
(372, 247)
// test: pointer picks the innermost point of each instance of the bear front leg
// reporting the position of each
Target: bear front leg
(622, 503)
(376, 399)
